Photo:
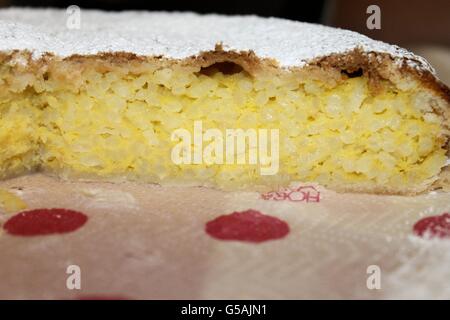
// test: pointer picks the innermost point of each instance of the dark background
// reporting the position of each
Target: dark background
(403, 21)
(297, 10)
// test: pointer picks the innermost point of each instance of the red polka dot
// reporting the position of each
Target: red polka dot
(433, 227)
(44, 221)
(250, 225)
(102, 297)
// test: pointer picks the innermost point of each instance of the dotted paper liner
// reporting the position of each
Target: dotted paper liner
(137, 241)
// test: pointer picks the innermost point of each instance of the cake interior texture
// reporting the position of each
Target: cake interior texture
(112, 120)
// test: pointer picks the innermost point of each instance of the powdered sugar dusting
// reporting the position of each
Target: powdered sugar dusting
(181, 35)
(423, 271)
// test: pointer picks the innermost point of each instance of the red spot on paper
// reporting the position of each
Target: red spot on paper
(44, 221)
(250, 225)
(102, 297)
(299, 194)
(433, 227)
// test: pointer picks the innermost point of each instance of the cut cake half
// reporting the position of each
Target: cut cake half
(103, 101)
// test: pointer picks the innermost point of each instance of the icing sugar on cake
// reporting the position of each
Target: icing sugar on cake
(182, 35)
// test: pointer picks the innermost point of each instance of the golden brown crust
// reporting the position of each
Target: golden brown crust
(375, 65)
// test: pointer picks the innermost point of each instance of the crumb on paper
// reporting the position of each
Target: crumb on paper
(106, 197)
(9, 202)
